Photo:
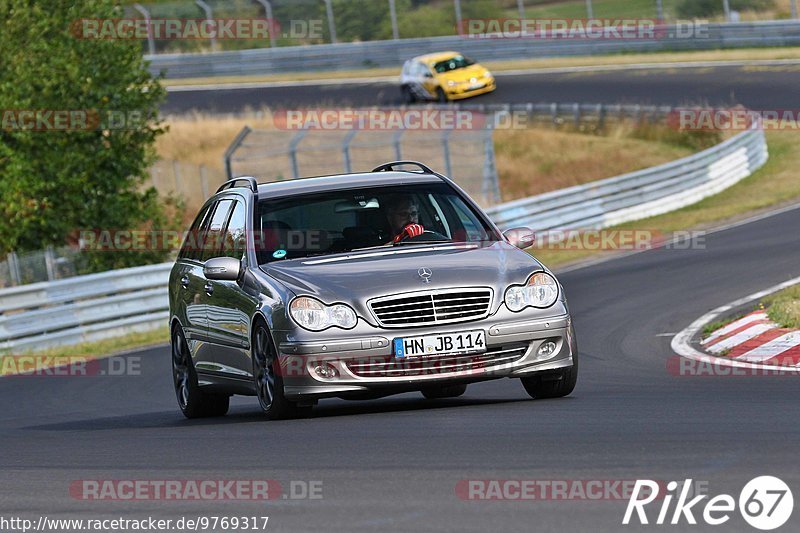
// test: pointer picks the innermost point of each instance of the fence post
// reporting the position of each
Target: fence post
(446, 152)
(13, 268)
(237, 142)
(348, 167)
(331, 22)
(393, 15)
(176, 171)
(151, 44)
(589, 10)
(459, 29)
(210, 18)
(659, 10)
(491, 185)
(398, 153)
(293, 152)
(793, 7)
(601, 116)
(50, 263)
(521, 9)
(554, 113)
(204, 181)
(270, 22)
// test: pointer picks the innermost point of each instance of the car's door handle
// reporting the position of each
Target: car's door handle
(209, 288)
(185, 282)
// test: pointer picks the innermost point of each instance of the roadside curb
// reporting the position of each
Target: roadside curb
(682, 342)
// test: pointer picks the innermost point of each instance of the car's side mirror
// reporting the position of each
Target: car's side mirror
(223, 269)
(428, 75)
(520, 237)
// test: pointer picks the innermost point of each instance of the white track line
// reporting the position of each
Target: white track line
(681, 343)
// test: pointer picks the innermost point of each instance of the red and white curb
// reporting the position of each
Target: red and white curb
(751, 342)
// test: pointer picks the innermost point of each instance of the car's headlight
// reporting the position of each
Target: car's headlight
(541, 291)
(314, 315)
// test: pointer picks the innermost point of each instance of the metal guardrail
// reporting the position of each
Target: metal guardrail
(98, 306)
(84, 308)
(645, 193)
(354, 56)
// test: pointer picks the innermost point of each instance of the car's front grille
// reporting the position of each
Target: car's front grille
(388, 366)
(432, 307)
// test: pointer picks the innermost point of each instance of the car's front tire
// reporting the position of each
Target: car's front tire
(555, 384)
(194, 403)
(441, 96)
(436, 392)
(268, 379)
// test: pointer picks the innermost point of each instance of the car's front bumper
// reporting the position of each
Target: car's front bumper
(459, 92)
(363, 364)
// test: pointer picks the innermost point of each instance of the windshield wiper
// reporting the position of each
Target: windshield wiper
(406, 243)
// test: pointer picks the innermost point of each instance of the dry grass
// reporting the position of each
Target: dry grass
(539, 160)
(201, 139)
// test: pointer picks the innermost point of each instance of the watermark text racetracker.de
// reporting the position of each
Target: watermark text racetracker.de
(187, 29)
(34, 365)
(591, 29)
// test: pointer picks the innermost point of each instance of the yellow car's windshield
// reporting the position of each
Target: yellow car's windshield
(454, 63)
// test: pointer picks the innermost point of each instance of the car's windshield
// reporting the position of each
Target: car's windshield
(453, 63)
(352, 219)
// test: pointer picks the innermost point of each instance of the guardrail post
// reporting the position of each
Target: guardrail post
(398, 153)
(210, 18)
(446, 152)
(293, 152)
(491, 185)
(151, 44)
(331, 22)
(13, 268)
(554, 113)
(576, 115)
(270, 21)
(348, 167)
(237, 142)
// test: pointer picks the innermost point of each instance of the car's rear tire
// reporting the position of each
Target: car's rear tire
(408, 95)
(268, 379)
(194, 403)
(436, 392)
(441, 96)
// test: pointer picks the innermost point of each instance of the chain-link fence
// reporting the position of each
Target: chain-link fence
(40, 265)
(191, 183)
(467, 156)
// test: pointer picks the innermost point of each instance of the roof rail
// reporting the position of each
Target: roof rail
(230, 184)
(388, 167)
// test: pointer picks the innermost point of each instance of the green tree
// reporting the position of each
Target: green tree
(55, 182)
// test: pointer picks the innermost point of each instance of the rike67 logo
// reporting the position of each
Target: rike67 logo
(765, 503)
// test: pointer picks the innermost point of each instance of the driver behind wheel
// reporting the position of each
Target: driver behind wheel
(402, 213)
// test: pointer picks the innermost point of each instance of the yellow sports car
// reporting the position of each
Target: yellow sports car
(444, 76)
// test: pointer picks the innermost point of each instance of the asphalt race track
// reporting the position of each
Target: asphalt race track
(393, 464)
(754, 87)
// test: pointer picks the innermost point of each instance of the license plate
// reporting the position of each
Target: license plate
(441, 344)
(476, 86)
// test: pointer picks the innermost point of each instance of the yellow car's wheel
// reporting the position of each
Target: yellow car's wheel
(441, 96)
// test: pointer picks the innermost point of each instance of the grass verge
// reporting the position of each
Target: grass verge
(95, 350)
(783, 307)
(743, 54)
(773, 184)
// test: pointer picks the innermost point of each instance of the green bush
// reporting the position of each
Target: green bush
(56, 182)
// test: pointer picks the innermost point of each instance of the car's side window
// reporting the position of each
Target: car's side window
(212, 238)
(235, 240)
(471, 224)
(191, 247)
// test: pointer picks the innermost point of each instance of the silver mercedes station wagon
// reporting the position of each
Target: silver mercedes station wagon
(358, 286)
